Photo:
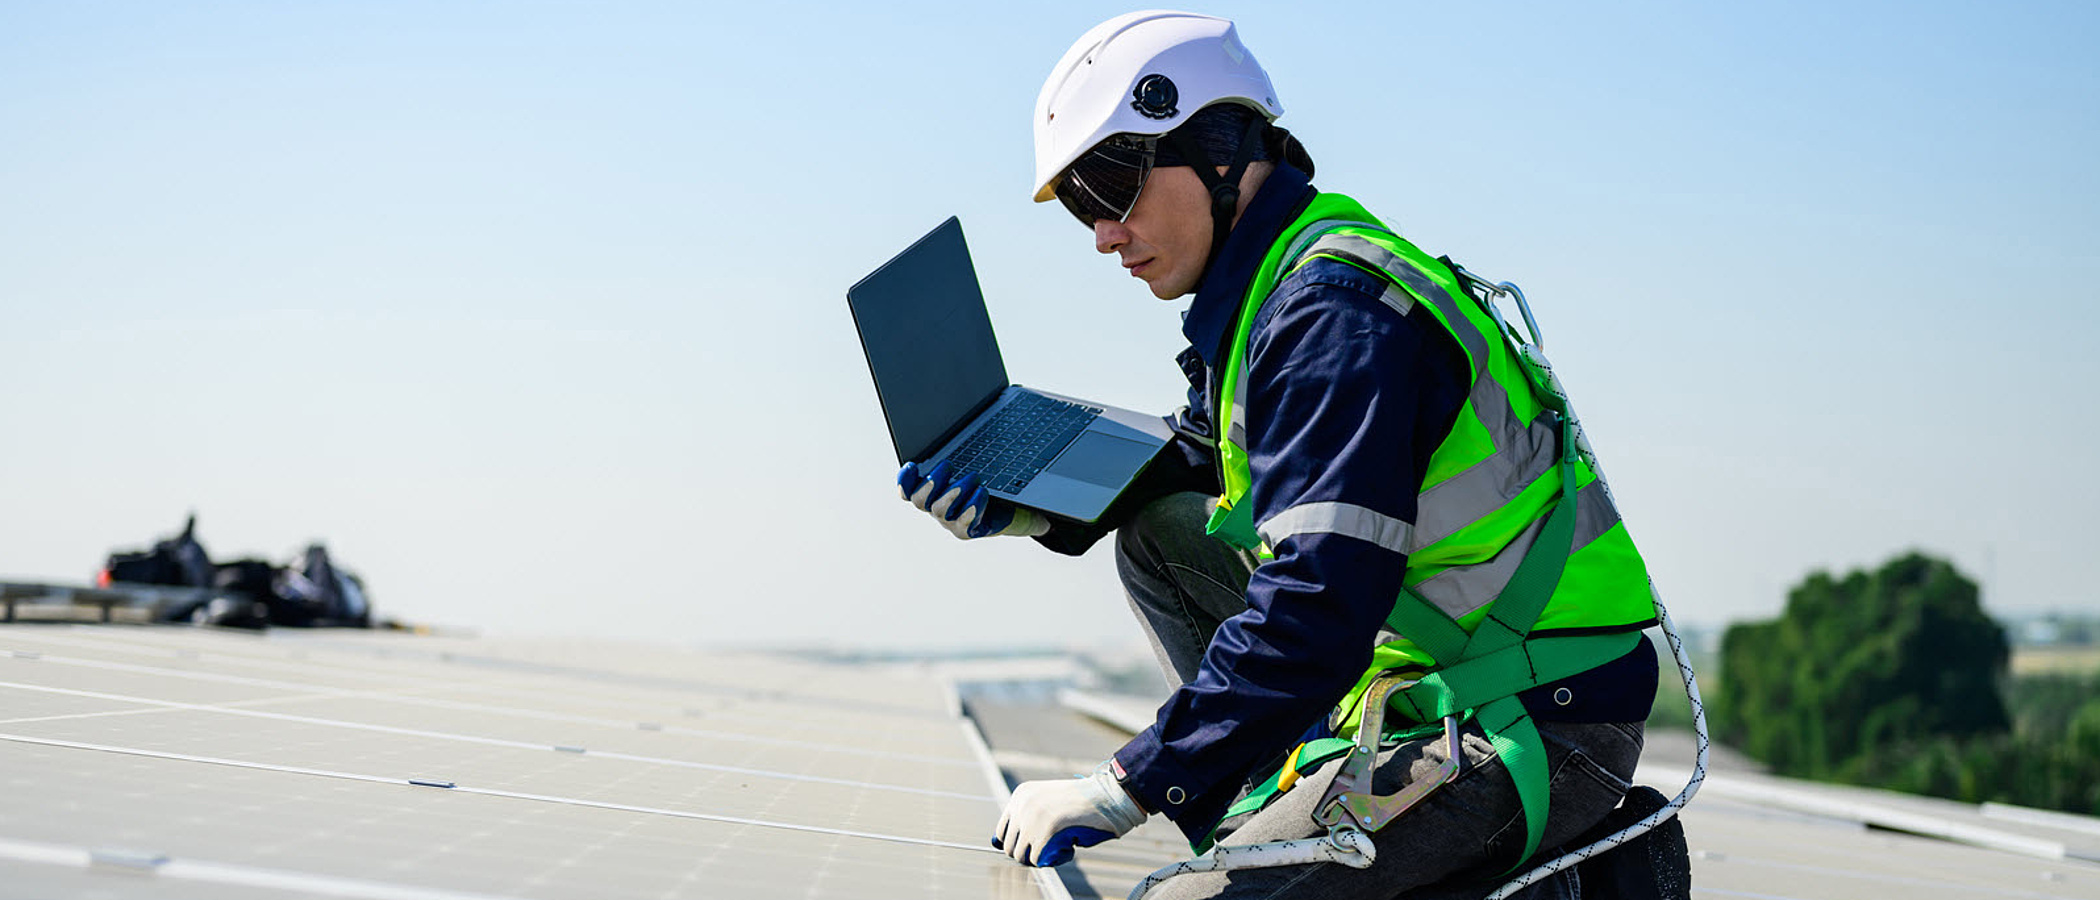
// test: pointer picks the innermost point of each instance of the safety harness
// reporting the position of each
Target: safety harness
(1488, 669)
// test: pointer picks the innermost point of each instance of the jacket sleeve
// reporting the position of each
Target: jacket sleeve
(1346, 399)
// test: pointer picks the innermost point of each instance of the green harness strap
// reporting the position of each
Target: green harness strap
(1308, 757)
(1486, 670)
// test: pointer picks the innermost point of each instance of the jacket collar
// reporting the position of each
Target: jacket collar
(1213, 314)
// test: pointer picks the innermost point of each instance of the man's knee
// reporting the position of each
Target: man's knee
(1163, 528)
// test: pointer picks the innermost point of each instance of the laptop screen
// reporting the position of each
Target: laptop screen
(929, 340)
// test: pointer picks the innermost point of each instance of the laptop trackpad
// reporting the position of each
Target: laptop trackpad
(1096, 458)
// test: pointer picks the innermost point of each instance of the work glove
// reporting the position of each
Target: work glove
(1045, 820)
(964, 507)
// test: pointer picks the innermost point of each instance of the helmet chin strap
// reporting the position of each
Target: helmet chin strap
(1224, 189)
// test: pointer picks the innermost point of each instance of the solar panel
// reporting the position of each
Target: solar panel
(170, 762)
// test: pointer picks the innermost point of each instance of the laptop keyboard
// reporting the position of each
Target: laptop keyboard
(1014, 446)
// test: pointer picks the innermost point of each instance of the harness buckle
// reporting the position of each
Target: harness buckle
(1349, 797)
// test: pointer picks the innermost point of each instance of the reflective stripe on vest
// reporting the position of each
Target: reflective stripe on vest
(1458, 591)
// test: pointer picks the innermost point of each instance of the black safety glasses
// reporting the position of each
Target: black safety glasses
(1105, 183)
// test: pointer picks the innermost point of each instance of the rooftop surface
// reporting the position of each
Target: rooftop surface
(178, 762)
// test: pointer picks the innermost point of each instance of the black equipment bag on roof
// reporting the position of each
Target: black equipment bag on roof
(179, 561)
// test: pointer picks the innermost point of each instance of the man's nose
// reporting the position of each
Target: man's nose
(1110, 235)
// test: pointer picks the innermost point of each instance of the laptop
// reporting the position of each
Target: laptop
(945, 393)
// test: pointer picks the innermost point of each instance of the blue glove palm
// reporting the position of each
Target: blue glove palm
(1058, 850)
(964, 506)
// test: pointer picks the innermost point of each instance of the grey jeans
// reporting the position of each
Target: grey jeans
(1455, 843)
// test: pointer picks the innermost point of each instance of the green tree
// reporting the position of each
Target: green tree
(1878, 659)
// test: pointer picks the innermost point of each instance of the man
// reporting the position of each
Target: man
(1366, 481)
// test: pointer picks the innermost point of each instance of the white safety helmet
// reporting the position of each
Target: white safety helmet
(1142, 73)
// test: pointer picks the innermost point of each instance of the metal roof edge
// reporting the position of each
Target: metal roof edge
(2044, 818)
(1782, 797)
(1046, 879)
(1119, 713)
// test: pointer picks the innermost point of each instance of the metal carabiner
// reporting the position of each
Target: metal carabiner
(1350, 795)
(1508, 289)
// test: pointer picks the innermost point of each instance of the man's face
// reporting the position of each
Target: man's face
(1166, 238)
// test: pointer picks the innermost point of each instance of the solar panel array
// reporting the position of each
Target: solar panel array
(172, 762)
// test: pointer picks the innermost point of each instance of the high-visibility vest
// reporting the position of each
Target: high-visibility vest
(1487, 502)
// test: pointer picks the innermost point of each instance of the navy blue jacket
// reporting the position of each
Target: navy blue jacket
(1346, 398)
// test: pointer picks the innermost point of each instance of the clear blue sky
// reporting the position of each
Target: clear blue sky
(535, 311)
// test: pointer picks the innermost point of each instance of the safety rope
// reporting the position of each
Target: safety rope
(1347, 846)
